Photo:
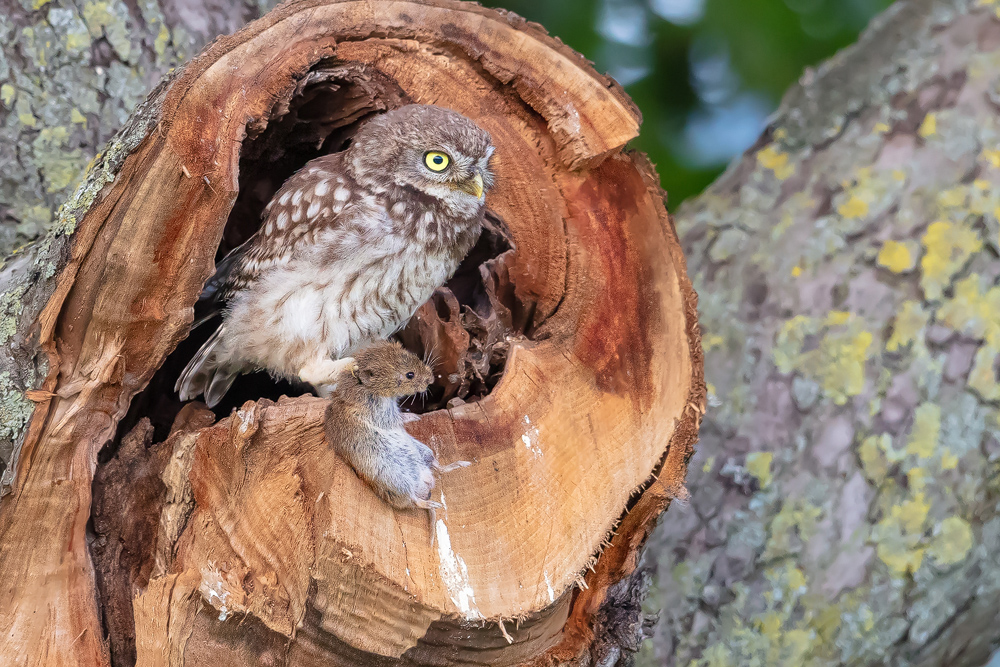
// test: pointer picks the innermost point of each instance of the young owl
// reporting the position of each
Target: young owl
(350, 247)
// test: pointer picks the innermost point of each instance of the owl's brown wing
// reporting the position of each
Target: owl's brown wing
(314, 198)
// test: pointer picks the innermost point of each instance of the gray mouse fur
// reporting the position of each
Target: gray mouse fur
(364, 425)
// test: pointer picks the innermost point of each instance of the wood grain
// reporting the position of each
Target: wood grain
(283, 551)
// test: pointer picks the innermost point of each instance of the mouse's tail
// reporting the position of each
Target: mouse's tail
(207, 373)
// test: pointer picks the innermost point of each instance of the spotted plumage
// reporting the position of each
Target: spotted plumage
(350, 246)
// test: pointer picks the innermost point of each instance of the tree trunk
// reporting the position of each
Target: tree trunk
(140, 530)
(844, 494)
(69, 78)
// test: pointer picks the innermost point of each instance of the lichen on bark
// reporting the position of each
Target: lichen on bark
(71, 74)
(843, 495)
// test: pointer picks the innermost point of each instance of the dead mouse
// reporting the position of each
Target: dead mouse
(365, 426)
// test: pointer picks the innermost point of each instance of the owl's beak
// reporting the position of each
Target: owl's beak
(474, 186)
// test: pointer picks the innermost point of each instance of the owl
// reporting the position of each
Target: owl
(350, 246)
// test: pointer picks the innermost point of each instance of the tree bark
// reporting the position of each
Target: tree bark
(843, 497)
(70, 76)
(571, 369)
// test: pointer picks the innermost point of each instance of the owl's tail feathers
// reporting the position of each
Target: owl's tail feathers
(206, 373)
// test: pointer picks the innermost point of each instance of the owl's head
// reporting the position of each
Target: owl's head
(435, 151)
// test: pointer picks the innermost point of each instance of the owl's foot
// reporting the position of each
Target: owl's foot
(323, 374)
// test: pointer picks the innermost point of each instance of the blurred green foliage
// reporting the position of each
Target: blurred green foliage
(705, 73)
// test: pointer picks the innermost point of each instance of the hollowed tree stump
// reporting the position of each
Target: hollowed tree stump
(567, 348)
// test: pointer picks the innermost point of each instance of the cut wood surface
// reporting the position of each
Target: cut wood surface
(225, 543)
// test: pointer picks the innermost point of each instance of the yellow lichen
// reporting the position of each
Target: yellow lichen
(952, 542)
(982, 377)
(759, 465)
(826, 622)
(983, 198)
(107, 19)
(789, 341)
(162, 39)
(712, 341)
(925, 431)
(796, 518)
(844, 375)
(777, 161)
(991, 155)
(7, 94)
(916, 479)
(912, 514)
(899, 558)
(972, 311)
(899, 534)
(948, 246)
(77, 41)
(948, 460)
(908, 325)
(929, 126)
(874, 464)
(953, 198)
(855, 207)
(896, 257)
(837, 364)
(837, 318)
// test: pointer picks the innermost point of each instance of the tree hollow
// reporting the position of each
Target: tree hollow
(568, 350)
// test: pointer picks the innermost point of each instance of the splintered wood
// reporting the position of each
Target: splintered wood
(247, 540)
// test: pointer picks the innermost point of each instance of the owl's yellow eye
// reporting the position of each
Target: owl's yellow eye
(437, 161)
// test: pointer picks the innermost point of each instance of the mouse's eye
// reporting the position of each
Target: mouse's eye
(409, 376)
